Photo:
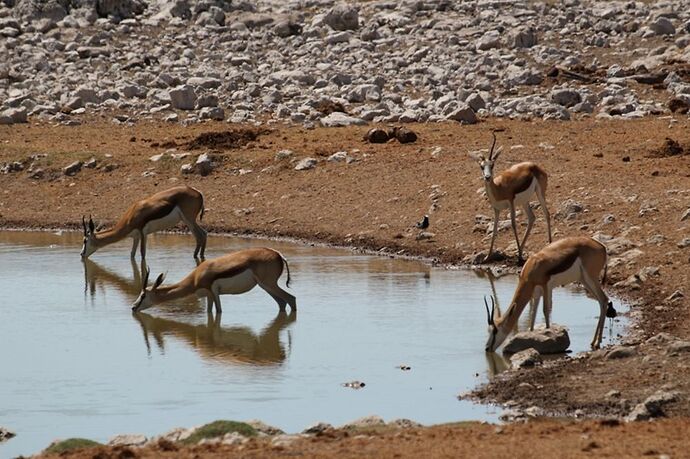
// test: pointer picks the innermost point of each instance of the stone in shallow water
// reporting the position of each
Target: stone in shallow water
(524, 359)
(554, 340)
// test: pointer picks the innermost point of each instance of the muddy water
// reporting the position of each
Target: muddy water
(77, 362)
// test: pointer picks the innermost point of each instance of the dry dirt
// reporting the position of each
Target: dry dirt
(611, 167)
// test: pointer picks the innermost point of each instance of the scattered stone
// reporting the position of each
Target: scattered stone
(284, 154)
(264, 428)
(306, 164)
(662, 26)
(463, 114)
(14, 116)
(377, 135)
(318, 428)
(183, 97)
(342, 17)
(187, 168)
(554, 340)
(5, 434)
(403, 134)
(128, 440)
(338, 157)
(525, 359)
(73, 168)
(621, 352)
(684, 243)
(525, 37)
(365, 422)
(404, 424)
(425, 236)
(678, 347)
(203, 164)
(652, 407)
(284, 440)
(339, 119)
(685, 215)
(231, 438)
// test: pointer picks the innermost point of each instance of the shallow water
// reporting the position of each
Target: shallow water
(77, 362)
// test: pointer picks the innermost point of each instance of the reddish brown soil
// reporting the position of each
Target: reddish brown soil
(535, 439)
(609, 166)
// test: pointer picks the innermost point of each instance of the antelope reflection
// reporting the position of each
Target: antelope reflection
(96, 276)
(224, 344)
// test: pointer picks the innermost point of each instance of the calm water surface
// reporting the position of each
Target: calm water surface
(77, 362)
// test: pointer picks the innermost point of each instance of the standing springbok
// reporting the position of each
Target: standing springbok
(568, 260)
(513, 188)
(235, 273)
(158, 212)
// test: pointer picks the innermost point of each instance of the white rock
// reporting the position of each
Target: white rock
(339, 119)
(183, 97)
(306, 164)
(128, 440)
(553, 340)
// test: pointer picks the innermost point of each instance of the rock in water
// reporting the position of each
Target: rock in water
(524, 359)
(554, 340)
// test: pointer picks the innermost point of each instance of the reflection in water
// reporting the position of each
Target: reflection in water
(96, 275)
(227, 344)
(231, 344)
(496, 363)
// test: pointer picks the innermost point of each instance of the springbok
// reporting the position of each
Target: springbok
(513, 188)
(568, 260)
(235, 273)
(158, 212)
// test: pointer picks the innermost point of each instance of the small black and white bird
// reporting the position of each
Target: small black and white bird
(424, 224)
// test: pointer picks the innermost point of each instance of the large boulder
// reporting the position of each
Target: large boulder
(120, 8)
(554, 340)
(183, 97)
(342, 17)
(33, 10)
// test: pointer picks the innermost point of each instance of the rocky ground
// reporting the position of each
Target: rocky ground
(318, 62)
(625, 181)
(107, 101)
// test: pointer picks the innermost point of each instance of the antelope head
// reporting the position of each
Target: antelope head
(89, 246)
(496, 333)
(148, 295)
(486, 163)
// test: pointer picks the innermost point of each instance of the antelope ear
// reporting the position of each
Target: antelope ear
(92, 227)
(498, 151)
(477, 156)
(159, 280)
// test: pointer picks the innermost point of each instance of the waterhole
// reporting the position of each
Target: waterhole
(76, 362)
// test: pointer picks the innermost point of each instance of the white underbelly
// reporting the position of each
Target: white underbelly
(240, 283)
(570, 275)
(524, 197)
(520, 199)
(164, 223)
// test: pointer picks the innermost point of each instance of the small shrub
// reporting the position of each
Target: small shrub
(71, 444)
(218, 429)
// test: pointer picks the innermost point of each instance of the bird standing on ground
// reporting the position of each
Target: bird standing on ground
(424, 224)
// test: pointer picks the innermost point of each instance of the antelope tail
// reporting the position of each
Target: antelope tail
(287, 268)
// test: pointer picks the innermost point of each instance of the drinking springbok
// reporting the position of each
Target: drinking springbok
(568, 260)
(158, 212)
(513, 188)
(235, 273)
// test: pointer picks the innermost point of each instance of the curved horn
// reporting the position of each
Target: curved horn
(493, 309)
(489, 315)
(493, 144)
(83, 223)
